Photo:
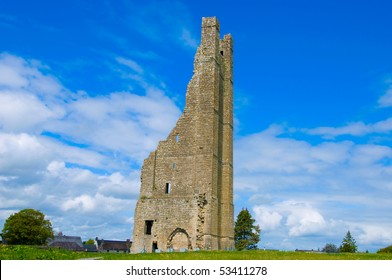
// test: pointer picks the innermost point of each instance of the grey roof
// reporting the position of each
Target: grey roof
(67, 242)
(113, 245)
(67, 245)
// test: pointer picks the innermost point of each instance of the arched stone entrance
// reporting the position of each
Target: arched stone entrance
(179, 239)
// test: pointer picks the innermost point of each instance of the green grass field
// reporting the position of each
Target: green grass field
(36, 253)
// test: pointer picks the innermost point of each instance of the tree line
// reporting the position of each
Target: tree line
(29, 227)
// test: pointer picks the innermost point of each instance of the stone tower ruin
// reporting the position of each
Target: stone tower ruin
(186, 195)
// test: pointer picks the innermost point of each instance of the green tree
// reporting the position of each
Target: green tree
(89, 242)
(27, 227)
(330, 248)
(246, 233)
(387, 250)
(348, 244)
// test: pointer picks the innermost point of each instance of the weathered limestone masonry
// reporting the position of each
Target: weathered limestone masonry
(186, 196)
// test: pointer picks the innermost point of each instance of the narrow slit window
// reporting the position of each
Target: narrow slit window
(177, 138)
(148, 227)
(167, 188)
(174, 165)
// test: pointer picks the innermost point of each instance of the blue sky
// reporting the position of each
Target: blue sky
(88, 88)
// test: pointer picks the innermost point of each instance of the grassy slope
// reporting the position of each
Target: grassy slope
(34, 253)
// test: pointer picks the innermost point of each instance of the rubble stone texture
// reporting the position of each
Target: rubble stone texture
(186, 196)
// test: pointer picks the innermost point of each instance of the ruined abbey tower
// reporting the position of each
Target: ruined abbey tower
(186, 196)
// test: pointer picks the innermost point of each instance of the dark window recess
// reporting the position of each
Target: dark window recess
(221, 53)
(154, 246)
(167, 188)
(148, 227)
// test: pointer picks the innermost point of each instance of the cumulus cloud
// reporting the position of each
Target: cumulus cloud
(14, 71)
(28, 97)
(270, 153)
(300, 218)
(279, 161)
(72, 155)
(267, 218)
(77, 158)
(299, 188)
(30, 75)
(86, 203)
(21, 111)
(121, 122)
(22, 157)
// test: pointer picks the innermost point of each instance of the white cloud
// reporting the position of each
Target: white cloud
(353, 129)
(266, 218)
(77, 158)
(38, 104)
(83, 203)
(301, 217)
(272, 154)
(374, 234)
(386, 99)
(368, 154)
(11, 203)
(4, 214)
(188, 39)
(299, 188)
(23, 112)
(118, 185)
(98, 203)
(284, 162)
(22, 156)
(120, 122)
(72, 155)
(22, 74)
(131, 64)
(332, 154)
(9, 75)
(28, 98)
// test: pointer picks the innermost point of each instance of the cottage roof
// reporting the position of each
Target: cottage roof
(115, 245)
(67, 245)
(67, 242)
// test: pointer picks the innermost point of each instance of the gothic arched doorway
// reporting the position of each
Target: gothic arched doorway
(179, 239)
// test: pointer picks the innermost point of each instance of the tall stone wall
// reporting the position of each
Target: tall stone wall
(186, 196)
